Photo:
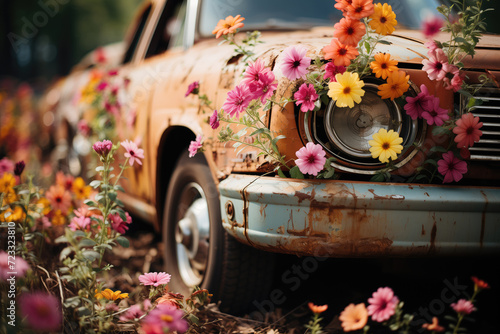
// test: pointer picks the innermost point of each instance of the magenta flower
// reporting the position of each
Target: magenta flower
(436, 115)
(164, 318)
(193, 88)
(118, 224)
(451, 167)
(133, 152)
(453, 79)
(463, 306)
(437, 65)
(264, 88)
(415, 106)
(237, 100)
(17, 267)
(254, 72)
(195, 145)
(134, 312)
(214, 120)
(311, 159)
(382, 304)
(155, 278)
(41, 311)
(432, 26)
(19, 168)
(295, 62)
(6, 166)
(79, 223)
(102, 86)
(83, 127)
(102, 148)
(331, 70)
(306, 95)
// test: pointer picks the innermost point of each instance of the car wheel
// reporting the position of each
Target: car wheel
(198, 251)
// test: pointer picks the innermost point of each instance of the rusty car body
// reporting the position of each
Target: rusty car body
(204, 204)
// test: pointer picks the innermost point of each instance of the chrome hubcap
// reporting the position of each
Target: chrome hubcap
(192, 234)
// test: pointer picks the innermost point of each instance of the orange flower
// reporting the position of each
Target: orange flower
(383, 19)
(383, 65)
(397, 84)
(228, 26)
(81, 190)
(110, 294)
(60, 198)
(479, 284)
(354, 317)
(58, 218)
(359, 9)
(317, 308)
(342, 5)
(349, 31)
(340, 54)
(172, 299)
(434, 326)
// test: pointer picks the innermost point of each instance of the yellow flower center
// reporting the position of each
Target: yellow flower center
(167, 318)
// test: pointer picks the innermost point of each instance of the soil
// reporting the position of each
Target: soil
(426, 285)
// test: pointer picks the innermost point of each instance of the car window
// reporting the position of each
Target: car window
(296, 14)
(137, 35)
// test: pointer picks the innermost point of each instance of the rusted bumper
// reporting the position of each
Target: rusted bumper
(359, 219)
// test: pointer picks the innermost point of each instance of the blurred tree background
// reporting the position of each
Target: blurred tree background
(43, 39)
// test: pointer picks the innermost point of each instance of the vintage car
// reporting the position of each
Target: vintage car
(223, 213)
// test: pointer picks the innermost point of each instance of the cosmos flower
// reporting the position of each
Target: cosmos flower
(415, 106)
(347, 89)
(295, 62)
(41, 311)
(463, 306)
(331, 70)
(155, 278)
(195, 145)
(467, 130)
(437, 65)
(237, 100)
(382, 304)
(385, 145)
(60, 198)
(164, 318)
(311, 159)
(349, 31)
(436, 114)
(431, 26)
(340, 54)
(214, 120)
(133, 153)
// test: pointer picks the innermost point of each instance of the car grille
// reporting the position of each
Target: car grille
(488, 147)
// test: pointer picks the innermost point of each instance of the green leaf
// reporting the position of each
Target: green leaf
(99, 169)
(86, 243)
(438, 149)
(64, 253)
(95, 184)
(82, 311)
(61, 239)
(431, 161)
(296, 173)
(122, 241)
(384, 42)
(91, 255)
(379, 177)
(90, 202)
(281, 174)
(112, 196)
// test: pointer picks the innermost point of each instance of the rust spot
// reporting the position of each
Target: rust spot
(375, 196)
(262, 211)
(432, 248)
(423, 229)
(281, 230)
(426, 194)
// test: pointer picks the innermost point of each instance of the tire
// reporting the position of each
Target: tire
(199, 252)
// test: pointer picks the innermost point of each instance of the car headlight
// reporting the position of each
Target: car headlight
(345, 132)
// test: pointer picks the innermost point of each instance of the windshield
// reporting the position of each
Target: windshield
(300, 14)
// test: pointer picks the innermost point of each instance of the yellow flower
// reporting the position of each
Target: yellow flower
(7, 183)
(58, 218)
(385, 145)
(383, 65)
(110, 294)
(383, 19)
(80, 190)
(44, 205)
(397, 84)
(347, 90)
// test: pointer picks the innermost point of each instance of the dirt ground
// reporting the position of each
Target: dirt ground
(426, 285)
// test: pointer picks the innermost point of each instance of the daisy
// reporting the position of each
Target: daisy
(436, 115)
(463, 306)
(41, 311)
(359, 9)
(451, 167)
(60, 198)
(437, 65)
(228, 26)
(237, 100)
(340, 54)
(295, 62)
(306, 96)
(385, 145)
(349, 31)
(383, 19)
(397, 84)
(133, 152)
(431, 26)
(331, 70)
(154, 278)
(415, 106)
(311, 159)
(383, 65)
(347, 89)
(195, 145)
(354, 317)
(80, 189)
(382, 304)
(467, 130)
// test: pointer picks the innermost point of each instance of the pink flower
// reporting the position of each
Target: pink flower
(17, 267)
(154, 278)
(463, 306)
(133, 152)
(214, 120)
(432, 26)
(311, 159)
(437, 65)
(264, 88)
(42, 311)
(193, 88)
(254, 72)
(453, 79)
(164, 317)
(133, 313)
(436, 115)
(467, 130)
(102, 86)
(331, 70)
(59, 198)
(415, 106)
(6, 166)
(83, 127)
(431, 45)
(79, 223)
(118, 224)
(102, 148)
(237, 100)
(306, 95)
(295, 62)
(382, 304)
(451, 167)
(195, 145)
